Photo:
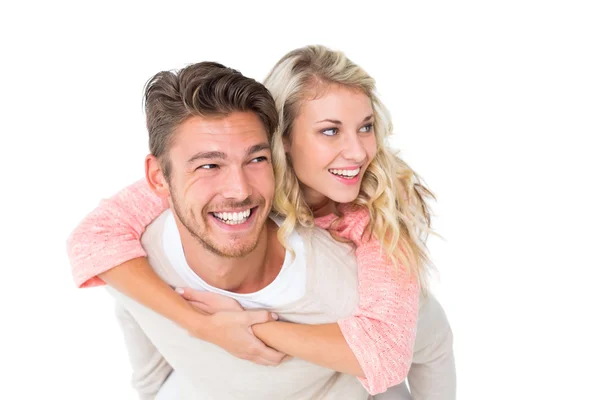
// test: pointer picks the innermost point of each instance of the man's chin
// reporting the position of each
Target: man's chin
(234, 251)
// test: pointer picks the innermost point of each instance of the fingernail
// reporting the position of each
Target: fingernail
(275, 316)
(179, 290)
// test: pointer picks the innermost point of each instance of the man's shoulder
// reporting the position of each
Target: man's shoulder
(318, 245)
(160, 237)
(154, 233)
(312, 235)
(157, 227)
(320, 237)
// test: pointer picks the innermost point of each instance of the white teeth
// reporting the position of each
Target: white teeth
(233, 218)
(351, 173)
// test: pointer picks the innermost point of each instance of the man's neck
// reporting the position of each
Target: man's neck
(247, 274)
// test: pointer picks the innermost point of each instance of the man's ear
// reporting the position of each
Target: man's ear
(155, 177)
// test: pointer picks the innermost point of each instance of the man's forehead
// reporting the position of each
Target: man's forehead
(233, 134)
(237, 123)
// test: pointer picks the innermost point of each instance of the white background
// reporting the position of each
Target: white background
(495, 104)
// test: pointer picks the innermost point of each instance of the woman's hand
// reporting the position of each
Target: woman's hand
(231, 327)
(209, 302)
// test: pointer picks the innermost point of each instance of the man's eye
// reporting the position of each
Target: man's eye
(259, 159)
(367, 128)
(208, 166)
(330, 131)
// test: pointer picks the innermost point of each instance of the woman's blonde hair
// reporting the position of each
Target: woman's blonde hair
(390, 190)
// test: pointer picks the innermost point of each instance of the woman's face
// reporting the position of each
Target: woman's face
(331, 144)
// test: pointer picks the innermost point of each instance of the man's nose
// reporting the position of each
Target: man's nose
(235, 185)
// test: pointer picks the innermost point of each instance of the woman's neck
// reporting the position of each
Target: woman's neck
(319, 204)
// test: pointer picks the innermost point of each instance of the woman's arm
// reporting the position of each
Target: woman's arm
(323, 344)
(137, 280)
(384, 321)
(320, 344)
(110, 234)
(376, 342)
(106, 248)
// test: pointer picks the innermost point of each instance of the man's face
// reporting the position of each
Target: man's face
(222, 184)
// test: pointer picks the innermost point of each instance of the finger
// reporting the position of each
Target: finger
(263, 354)
(266, 353)
(216, 301)
(191, 294)
(221, 302)
(202, 307)
(265, 362)
(271, 355)
(260, 317)
(261, 361)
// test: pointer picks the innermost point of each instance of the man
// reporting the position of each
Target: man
(211, 159)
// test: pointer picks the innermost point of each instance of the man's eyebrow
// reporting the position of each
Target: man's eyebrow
(258, 147)
(207, 155)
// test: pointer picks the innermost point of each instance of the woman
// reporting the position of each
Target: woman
(332, 169)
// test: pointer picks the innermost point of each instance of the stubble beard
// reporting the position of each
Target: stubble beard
(189, 221)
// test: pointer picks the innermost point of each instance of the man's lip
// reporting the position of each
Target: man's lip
(240, 227)
(237, 210)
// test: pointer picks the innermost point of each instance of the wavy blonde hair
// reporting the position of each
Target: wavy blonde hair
(390, 190)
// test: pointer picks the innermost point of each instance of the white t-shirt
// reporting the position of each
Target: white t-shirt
(288, 286)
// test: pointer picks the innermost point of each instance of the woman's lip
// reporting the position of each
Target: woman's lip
(347, 168)
(347, 181)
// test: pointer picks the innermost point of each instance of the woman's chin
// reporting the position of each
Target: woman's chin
(343, 196)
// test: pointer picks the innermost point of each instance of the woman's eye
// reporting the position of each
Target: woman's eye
(330, 131)
(367, 128)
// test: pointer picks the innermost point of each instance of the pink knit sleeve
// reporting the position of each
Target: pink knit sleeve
(381, 332)
(110, 234)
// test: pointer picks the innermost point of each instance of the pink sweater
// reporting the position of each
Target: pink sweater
(381, 332)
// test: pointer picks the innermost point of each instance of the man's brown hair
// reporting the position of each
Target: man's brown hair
(204, 89)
